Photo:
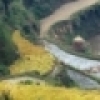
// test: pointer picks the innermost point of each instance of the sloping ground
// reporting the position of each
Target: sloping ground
(43, 8)
(36, 92)
(22, 15)
(64, 13)
(67, 58)
(84, 23)
(14, 15)
(87, 24)
(32, 57)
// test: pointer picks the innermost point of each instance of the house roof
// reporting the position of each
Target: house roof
(79, 39)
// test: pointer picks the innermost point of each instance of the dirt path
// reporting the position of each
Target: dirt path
(63, 13)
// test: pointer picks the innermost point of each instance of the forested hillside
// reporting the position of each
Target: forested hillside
(84, 23)
(13, 16)
(87, 22)
(43, 8)
(21, 15)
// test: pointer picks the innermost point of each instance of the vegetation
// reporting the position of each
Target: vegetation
(43, 8)
(13, 16)
(41, 92)
(84, 23)
(19, 23)
(32, 57)
(21, 15)
(7, 47)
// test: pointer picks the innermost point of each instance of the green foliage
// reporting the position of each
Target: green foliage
(13, 16)
(21, 15)
(7, 48)
(26, 82)
(4, 70)
(43, 8)
(87, 22)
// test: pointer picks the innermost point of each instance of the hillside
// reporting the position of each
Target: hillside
(43, 8)
(13, 16)
(44, 92)
(84, 23)
(37, 68)
(21, 15)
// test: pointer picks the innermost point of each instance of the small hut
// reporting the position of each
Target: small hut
(79, 43)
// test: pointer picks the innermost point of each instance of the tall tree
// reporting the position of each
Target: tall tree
(6, 5)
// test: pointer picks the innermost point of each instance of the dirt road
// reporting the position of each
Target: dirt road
(63, 13)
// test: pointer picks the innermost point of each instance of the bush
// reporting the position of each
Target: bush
(26, 82)
(4, 70)
(43, 8)
(7, 48)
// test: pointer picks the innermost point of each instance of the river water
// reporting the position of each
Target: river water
(64, 13)
(69, 59)
(78, 63)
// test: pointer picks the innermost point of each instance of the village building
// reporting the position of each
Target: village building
(79, 43)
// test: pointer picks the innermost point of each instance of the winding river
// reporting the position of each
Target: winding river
(64, 13)
(77, 62)
(73, 60)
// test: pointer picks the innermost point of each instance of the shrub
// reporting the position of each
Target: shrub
(26, 82)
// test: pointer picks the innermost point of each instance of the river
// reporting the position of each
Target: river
(64, 13)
